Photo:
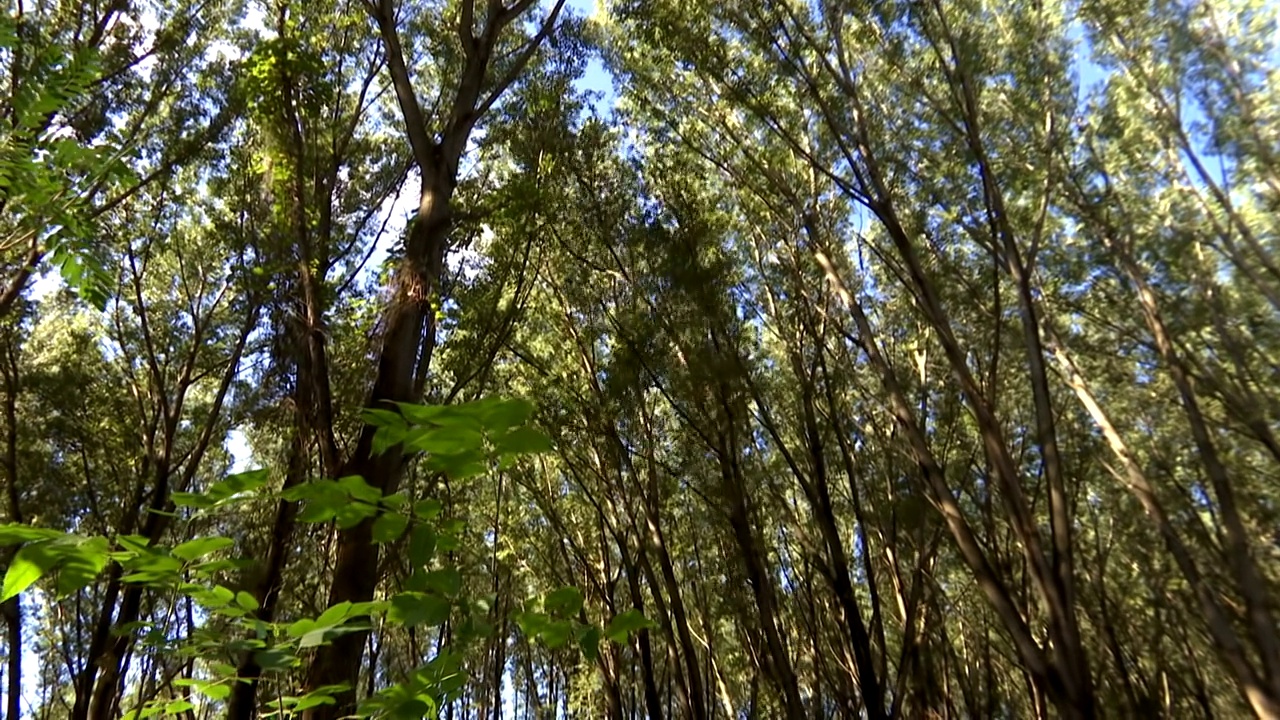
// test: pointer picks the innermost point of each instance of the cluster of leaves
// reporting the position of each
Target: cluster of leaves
(557, 623)
(464, 440)
(47, 173)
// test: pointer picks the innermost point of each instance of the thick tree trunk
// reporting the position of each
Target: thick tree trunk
(406, 352)
(409, 320)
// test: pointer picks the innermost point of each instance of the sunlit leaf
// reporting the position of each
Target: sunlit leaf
(413, 608)
(199, 547)
(389, 527)
(566, 601)
(523, 440)
(31, 563)
(624, 624)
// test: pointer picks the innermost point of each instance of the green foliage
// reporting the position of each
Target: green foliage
(625, 623)
(76, 561)
(230, 491)
(46, 173)
(433, 593)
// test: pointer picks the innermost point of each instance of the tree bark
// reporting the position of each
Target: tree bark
(409, 319)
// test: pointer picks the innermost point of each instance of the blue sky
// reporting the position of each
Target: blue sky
(596, 79)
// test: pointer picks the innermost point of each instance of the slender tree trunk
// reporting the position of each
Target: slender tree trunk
(243, 704)
(12, 608)
(695, 697)
(652, 701)
(781, 669)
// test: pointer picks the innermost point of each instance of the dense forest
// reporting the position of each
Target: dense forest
(706, 359)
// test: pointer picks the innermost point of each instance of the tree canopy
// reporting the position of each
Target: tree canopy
(842, 359)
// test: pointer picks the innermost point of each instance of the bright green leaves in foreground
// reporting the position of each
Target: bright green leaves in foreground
(558, 622)
(625, 623)
(235, 488)
(462, 441)
(74, 560)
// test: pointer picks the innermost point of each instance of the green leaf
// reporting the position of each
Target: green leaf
(412, 709)
(224, 594)
(300, 627)
(413, 608)
(134, 543)
(150, 711)
(556, 633)
(389, 527)
(625, 623)
(195, 500)
(566, 601)
(226, 491)
(30, 564)
(446, 581)
(372, 607)
(463, 415)
(386, 438)
(14, 534)
(451, 687)
(277, 659)
(246, 601)
(316, 512)
(247, 481)
(427, 509)
(322, 633)
(446, 440)
(313, 638)
(449, 537)
(524, 440)
(382, 418)
(334, 615)
(505, 414)
(198, 548)
(589, 643)
(422, 414)
(459, 466)
(357, 488)
(314, 490)
(352, 514)
(81, 564)
(531, 623)
(422, 545)
(213, 691)
(314, 699)
(153, 567)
